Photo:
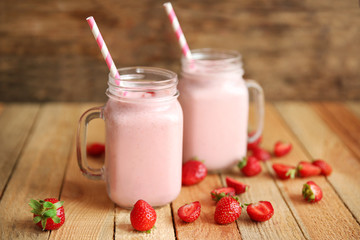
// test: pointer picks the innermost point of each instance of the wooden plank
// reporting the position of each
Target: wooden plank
(355, 108)
(40, 170)
(90, 212)
(344, 123)
(1, 107)
(321, 142)
(164, 228)
(16, 122)
(204, 227)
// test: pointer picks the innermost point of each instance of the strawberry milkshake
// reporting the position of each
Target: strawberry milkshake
(144, 128)
(215, 101)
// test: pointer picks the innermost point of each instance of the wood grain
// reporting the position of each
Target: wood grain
(355, 108)
(16, 122)
(321, 142)
(90, 212)
(294, 49)
(204, 227)
(40, 170)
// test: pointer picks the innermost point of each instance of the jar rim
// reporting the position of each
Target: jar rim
(213, 54)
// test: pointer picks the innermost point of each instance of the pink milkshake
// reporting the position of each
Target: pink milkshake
(144, 127)
(215, 101)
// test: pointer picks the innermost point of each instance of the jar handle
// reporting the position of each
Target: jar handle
(259, 104)
(90, 114)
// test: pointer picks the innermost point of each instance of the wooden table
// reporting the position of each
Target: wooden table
(38, 160)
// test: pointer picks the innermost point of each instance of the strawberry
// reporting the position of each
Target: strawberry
(284, 171)
(324, 166)
(49, 213)
(260, 211)
(249, 166)
(193, 172)
(228, 209)
(255, 144)
(312, 192)
(261, 154)
(190, 212)
(282, 148)
(238, 186)
(142, 216)
(95, 149)
(219, 193)
(306, 169)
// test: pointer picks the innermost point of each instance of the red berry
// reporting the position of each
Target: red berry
(193, 172)
(190, 212)
(281, 148)
(255, 144)
(95, 149)
(312, 192)
(142, 216)
(307, 169)
(250, 166)
(324, 166)
(238, 186)
(261, 154)
(49, 213)
(284, 171)
(219, 193)
(260, 211)
(227, 210)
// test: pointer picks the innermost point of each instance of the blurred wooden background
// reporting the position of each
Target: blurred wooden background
(303, 50)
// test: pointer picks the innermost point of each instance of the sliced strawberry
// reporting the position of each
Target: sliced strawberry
(228, 209)
(190, 212)
(307, 169)
(250, 166)
(219, 193)
(282, 148)
(238, 186)
(193, 172)
(312, 192)
(142, 216)
(324, 166)
(95, 149)
(255, 144)
(261, 154)
(284, 171)
(260, 211)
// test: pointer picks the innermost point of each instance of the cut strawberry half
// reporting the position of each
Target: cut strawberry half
(255, 144)
(261, 154)
(238, 186)
(260, 211)
(307, 169)
(324, 166)
(219, 193)
(282, 148)
(190, 212)
(312, 192)
(284, 171)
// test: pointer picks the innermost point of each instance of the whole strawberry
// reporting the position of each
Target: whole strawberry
(193, 172)
(324, 166)
(49, 213)
(284, 171)
(142, 216)
(228, 209)
(312, 192)
(190, 212)
(95, 149)
(261, 154)
(250, 166)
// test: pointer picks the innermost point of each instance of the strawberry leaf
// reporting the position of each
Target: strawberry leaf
(43, 223)
(56, 219)
(37, 219)
(58, 204)
(48, 205)
(50, 213)
(34, 204)
(242, 163)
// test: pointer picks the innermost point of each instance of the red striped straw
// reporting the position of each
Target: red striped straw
(103, 48)
(179, 33)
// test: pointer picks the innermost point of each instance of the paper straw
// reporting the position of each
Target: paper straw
(103, 48)
(177, 29)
